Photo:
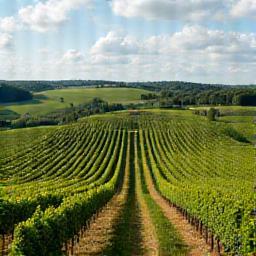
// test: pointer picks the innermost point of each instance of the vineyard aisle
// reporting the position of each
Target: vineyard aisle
(149, 236)
(100, 234)
(196, 244)
(123, 226)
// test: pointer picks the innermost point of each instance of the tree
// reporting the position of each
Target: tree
(61, 99)
(211, 114)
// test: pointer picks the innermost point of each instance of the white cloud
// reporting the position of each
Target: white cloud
(194, 53)
(186, 10)
(72, 56)
(170, 9)
(116, 43)
(244, 8)
(45, 15)
(5, 40)
(109, 60)
(198, 39)
(8, 24)
(195, 40)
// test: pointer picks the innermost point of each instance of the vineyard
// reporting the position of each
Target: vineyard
(91, 188)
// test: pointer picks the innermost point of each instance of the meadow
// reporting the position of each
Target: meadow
(49, 101)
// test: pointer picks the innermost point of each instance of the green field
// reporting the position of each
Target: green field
(48, 101)
(243, 119)
(133, 160)
(231, 110)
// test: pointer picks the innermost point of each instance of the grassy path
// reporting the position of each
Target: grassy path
(149, 236)
(127, 240)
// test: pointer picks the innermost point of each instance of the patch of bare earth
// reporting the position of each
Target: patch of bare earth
(5, 244)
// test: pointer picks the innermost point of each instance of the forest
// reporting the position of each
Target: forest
(12, 94)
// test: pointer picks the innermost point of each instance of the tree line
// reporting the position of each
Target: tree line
(64, 116)
(36, 86)
(204, 96)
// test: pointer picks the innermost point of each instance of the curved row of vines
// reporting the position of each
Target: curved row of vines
(55, 185)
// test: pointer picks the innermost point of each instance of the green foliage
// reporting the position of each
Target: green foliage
(223, 205)
(6, 114)
(185, 93)
(13, 94)
(49, 101)
(234, 134)
(212, 113)
(64, 116)
(46, 231)
(14, 211)
(168, 244)
(74, 170)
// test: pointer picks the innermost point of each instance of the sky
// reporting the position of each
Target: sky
(208, 41)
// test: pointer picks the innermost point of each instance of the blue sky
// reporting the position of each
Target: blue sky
(211, 41)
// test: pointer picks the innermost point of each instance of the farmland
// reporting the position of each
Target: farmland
(153, 182)
(48, 101)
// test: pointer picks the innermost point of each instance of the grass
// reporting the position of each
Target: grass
(241, 118)
(48, 101)
(231, 110)
(227, 108)
(243, 124)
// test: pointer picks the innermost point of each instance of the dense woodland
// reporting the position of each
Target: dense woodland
(13, 94)
(199, 94)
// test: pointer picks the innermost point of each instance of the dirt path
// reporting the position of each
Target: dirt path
(191, 237)
(5, 247)
(100, 234)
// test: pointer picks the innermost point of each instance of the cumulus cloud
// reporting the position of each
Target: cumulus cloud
(190, 54)
(186, 10)
(45, 15)
(114, 48)
(116, 43)
(244, 8)
(8, 24)
(5, 40)
(170, 9)
(109, 60)
(72, 56)
(195, 40)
